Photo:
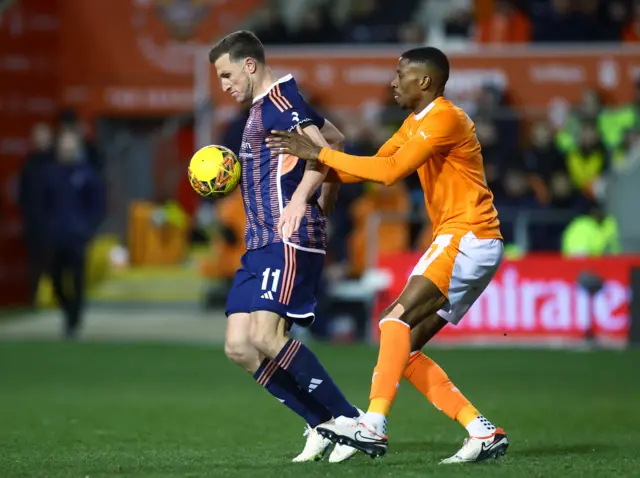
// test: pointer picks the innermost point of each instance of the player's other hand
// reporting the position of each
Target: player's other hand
(291, 218)
(296, 144)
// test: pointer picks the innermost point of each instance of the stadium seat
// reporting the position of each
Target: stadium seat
(150, 244)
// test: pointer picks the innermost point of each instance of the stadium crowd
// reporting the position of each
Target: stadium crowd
(437, 22)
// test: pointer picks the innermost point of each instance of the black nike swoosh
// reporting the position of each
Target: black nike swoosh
(487, 448)
(361, 438)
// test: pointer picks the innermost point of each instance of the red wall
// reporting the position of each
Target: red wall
(28, 93)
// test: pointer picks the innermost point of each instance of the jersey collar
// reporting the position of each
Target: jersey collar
(424, 112)
(284, 79)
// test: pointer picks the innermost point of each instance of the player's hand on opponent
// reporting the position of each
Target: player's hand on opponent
(296, 144)
(291, 218)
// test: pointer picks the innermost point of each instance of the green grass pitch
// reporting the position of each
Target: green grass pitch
(108, 410)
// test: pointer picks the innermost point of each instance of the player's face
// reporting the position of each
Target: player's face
(408, 84)
(234, 78)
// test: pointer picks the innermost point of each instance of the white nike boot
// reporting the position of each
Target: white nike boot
(354, 433)
(315, 447)
(476, 449)
(340, 452)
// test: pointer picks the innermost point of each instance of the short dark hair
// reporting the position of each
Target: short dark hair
(240, 44)
(429, 55)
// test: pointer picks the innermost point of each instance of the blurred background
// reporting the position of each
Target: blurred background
(102, 105)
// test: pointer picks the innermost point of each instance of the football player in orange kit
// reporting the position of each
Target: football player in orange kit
(438, 141)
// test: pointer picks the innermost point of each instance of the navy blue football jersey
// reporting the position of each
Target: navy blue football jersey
(269, 181)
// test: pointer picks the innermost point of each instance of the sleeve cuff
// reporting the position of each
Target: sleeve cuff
(325, 156)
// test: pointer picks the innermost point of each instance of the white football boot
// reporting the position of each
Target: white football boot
(477, 449)
(354, 433)
(315, 447)
(343, 452)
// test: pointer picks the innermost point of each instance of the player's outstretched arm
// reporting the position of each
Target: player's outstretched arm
(381, 169)
(387, 170)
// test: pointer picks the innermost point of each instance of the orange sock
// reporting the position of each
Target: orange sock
(395, 346)
(430, 380)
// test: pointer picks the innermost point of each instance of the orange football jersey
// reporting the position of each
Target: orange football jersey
(440, 143)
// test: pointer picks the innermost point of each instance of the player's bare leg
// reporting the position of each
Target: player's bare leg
(237, 344)
(304, 367)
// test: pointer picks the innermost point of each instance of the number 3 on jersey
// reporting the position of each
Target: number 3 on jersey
(436, 248)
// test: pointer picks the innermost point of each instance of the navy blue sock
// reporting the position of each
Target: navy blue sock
(299, 361)
(282, 385)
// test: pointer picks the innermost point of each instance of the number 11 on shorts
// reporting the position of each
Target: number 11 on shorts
(265, 279)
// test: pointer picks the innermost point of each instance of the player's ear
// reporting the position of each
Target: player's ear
(425, 83)
(251, 65)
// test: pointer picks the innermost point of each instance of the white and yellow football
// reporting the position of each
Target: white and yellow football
(214, 171)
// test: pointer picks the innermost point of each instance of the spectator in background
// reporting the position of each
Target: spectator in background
(589, 160)
(75, 207)
(316, 26)
(631, 31)
(589, 109)
(492, 107)
(615, 16)
(411, 34)
(549, 180)
(369, 22)
(591, 235)
(517, 191)
(494, 161)
(269, 26)
(542, 160)
(617, 122)
(592, 18)
(32, 204)
(508, 24)
(559, 22)
(68, 120)
(445, 21)
(514, 196)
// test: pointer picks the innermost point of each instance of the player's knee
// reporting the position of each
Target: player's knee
(241, 353)
(420, 300)
(396, 312)
(264, 341)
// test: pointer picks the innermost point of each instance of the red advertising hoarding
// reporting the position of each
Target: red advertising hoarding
(535, 300)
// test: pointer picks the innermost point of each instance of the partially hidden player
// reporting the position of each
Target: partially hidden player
(438, 141)
(285, 236)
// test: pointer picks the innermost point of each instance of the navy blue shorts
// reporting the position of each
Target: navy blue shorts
(277, 278)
